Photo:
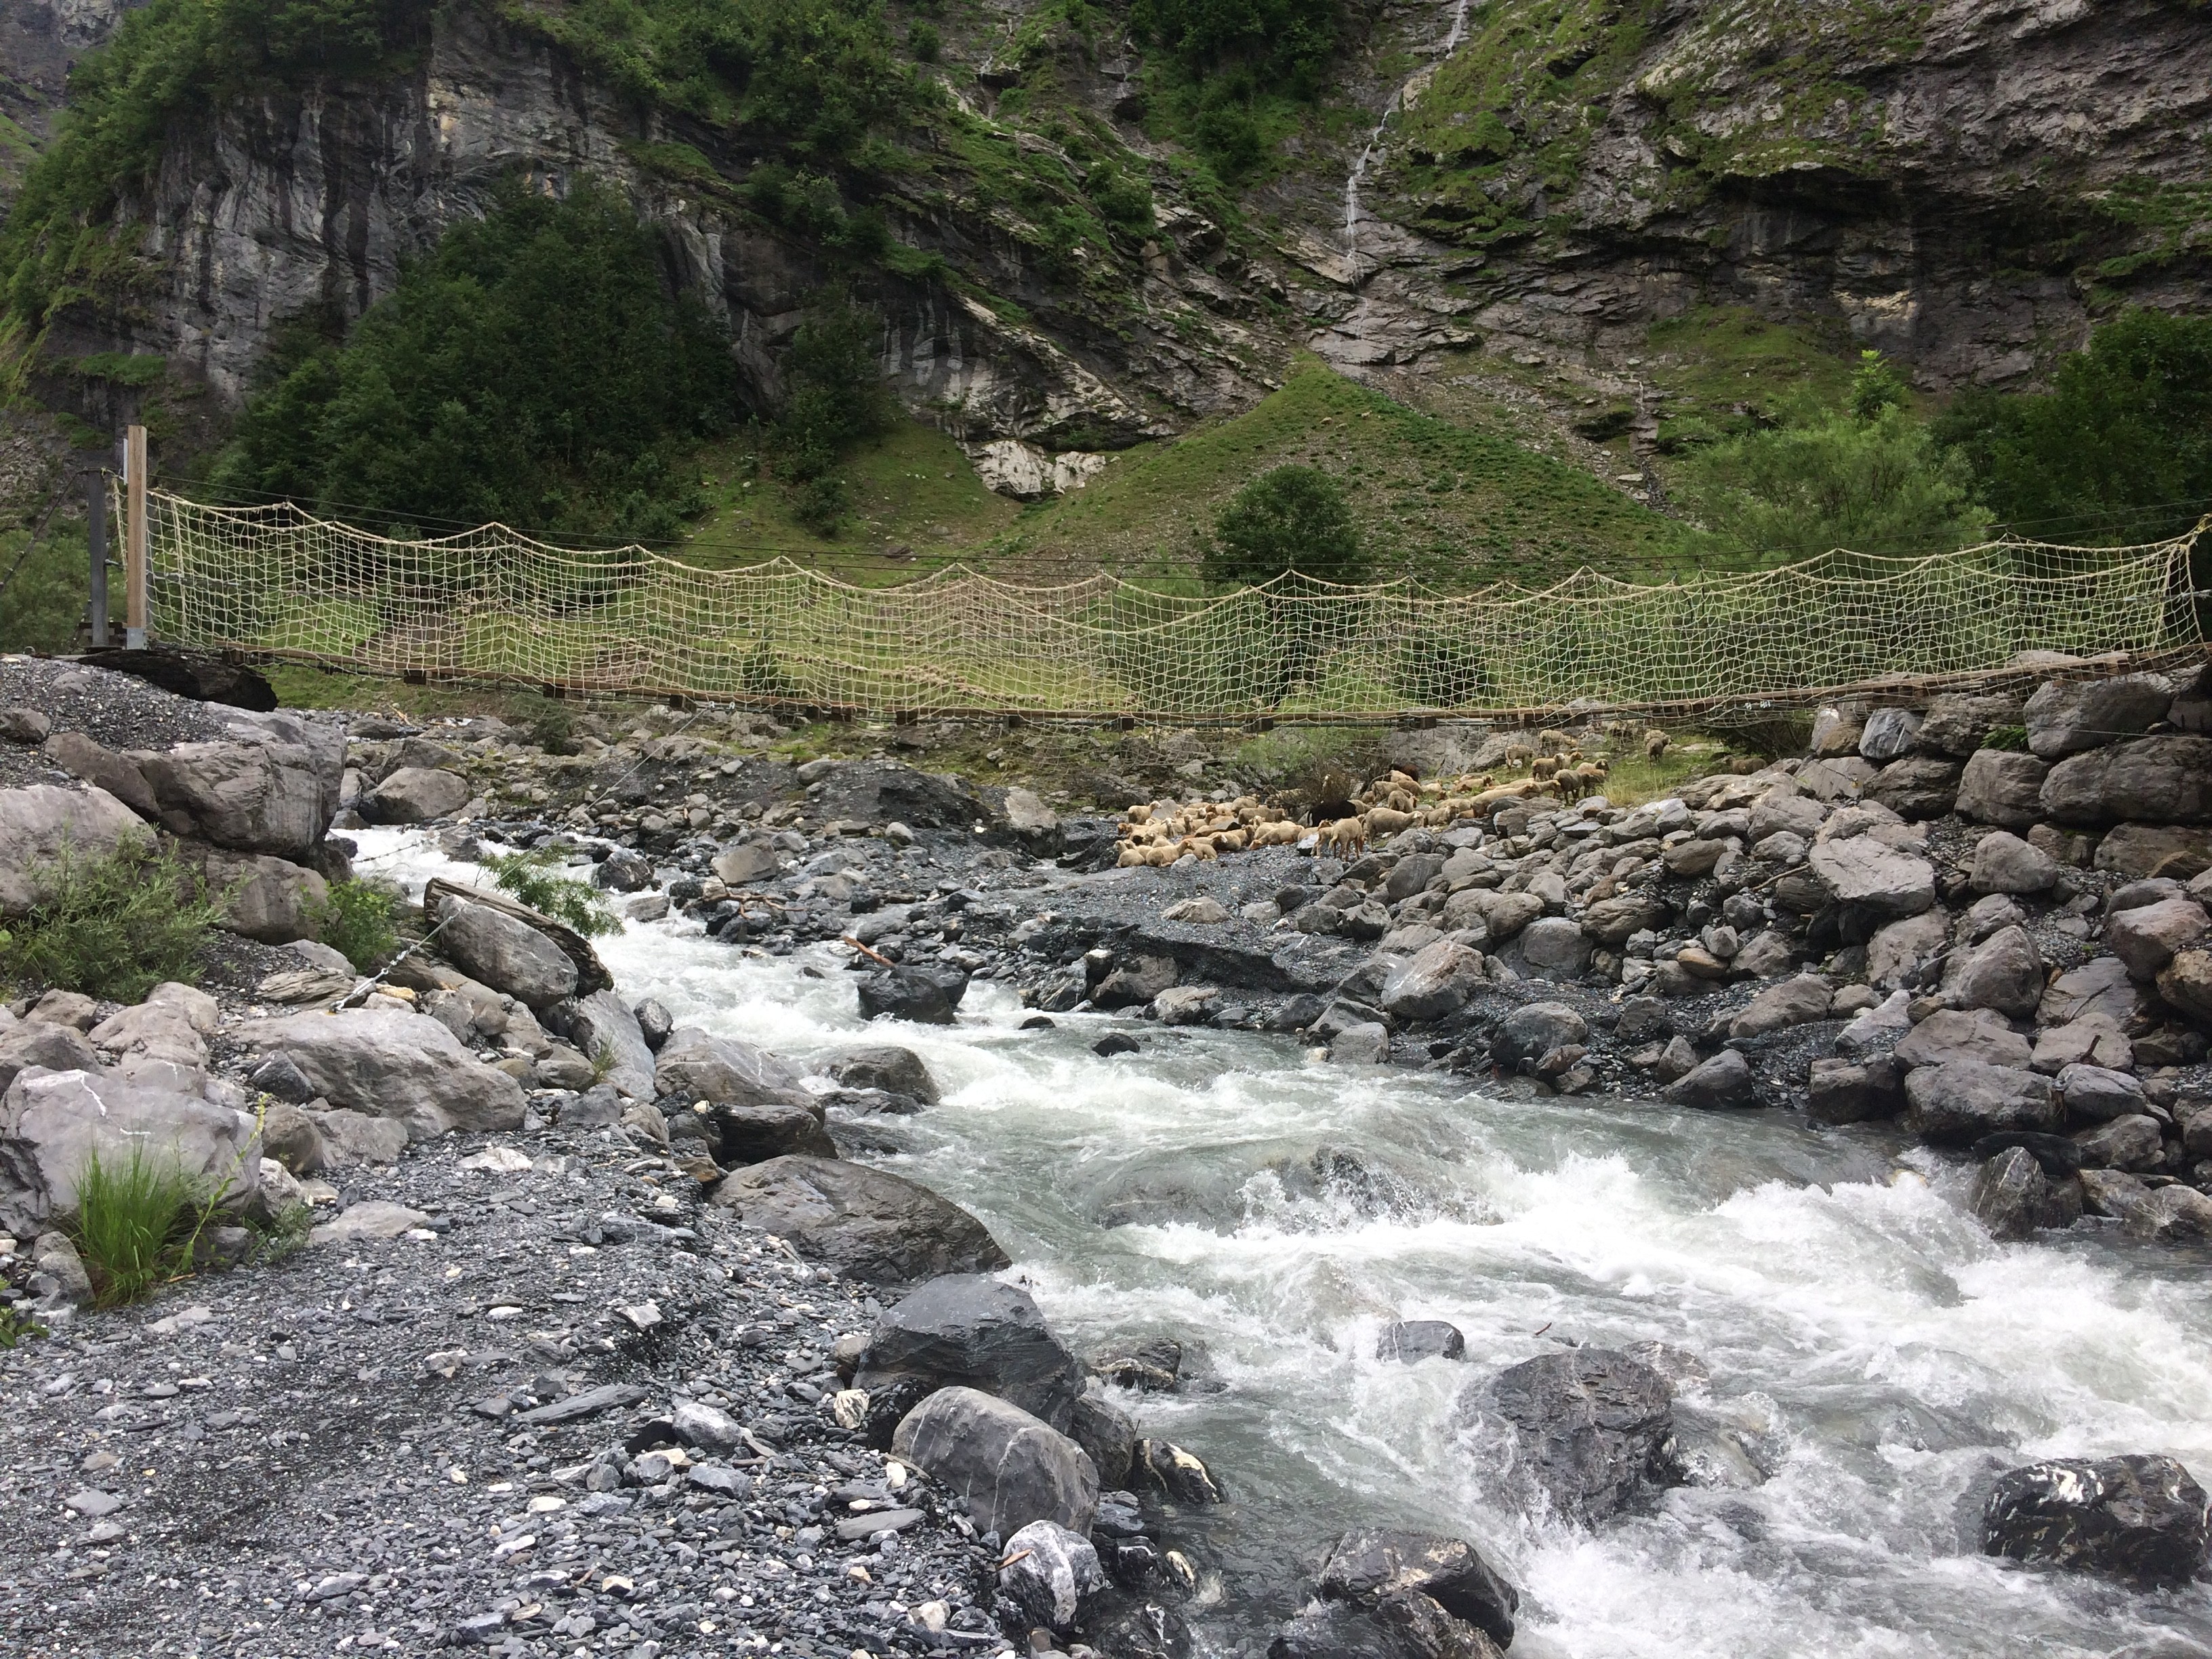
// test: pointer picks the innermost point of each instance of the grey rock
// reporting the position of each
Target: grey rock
(2136, 850)
(1414, 1339)
(928, 996)
(1917, 787)
(1592, 1428)
(1723, 1082)
(1552, 947)
(693, 1065)
(1764, 955)
(504, 952)
(1051, 1574)
(2097, 1093)
(1797, 1002)
(388, 1064)
(2003, 863)
(708, 1428)
(372, 1220)
(275, 792)
(600, 1026)
(2002, 787)
(1203, 911)
(37, 822)
(1180, 1476)
(1499, 914)
(1896, 952)
(1781, 809)
(654, 1023)
(2011, 1194)
(1953, 1034)
(1878, 1030)
(51, 1123)
(1880, 879)
(2067, 717)
(351, 1137)
(867, 1223)
(2099, 988)
(2131, 1142)
(2167, 780)
(1533, 1030)
(893, 1070)
(969, 1330)
(623, 871)
(1957, 722)
(1373, 1563)
(1009, 1467)
(415, 794)
(1960, 1101)
(582, 1405)
(1854, 1092)
(2138, 1518)
(2186, 984)
(27, 727)
(2092, 1040)
(1405, 1626)
(746, 863)
(2149, 936)
(1186, 1004)
(291, 1137)
(1677, 1060)
(2004, 972)
(1364, 1044)
(1611, 921)
(41, 1043)
(54, 1255)
(754, 1132)
(1889, 734)
(1106, 1432)
(1438, 980)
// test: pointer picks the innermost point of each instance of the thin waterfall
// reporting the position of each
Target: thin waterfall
(1453, 36)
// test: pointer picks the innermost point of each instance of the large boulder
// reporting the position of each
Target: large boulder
(1957, 722)
(1960, 1101)
(2149, 936)
(1592, 1428)
(893, 1070)
(2003, 863)
(1951, 1034)
(601, 1025)
(1896, 952)
(265, 897)
(2003, 972)
(1373, 1563)
(275, 792)
(39, 822)
(2139, 1518)
(2137, 850)
(77, 754)
(1009, 1467)
(415, 794)
(1404, 1625)
(504, 952)
(2100, 987)
(1050, 1573)
(1916, 786)
(694, 1065)
(2004, 787)
(43, 1043)
(753, 1132)
(1724, 1083)
(1135, 980)
(1435, 981)
(929, 996)
(1888, 734)
(2067, 717)
(971, 1331)
(2164, 779)
(866, 1223)
(1533, 1030)
(1797, 1001)
(388, 1064)
(1881, 880)
(1552, 947)
(1500, 915)
(53, 1123)
(2012, 1196)
(1611, 921)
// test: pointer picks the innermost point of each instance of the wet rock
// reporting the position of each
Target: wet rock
(1405, 1626)
(1797, 1002)
(1960, 1101)
(2067, 717)
(1435, 981)
(2147, 780)
(1592, 1428)
(2011, 1195)
(623, 871)
(1533, 1030)
(403, 1066)
(2002, 787)
(1371, 1563)
(755, 1132)
(1415, 1340)
(1951, 1034)
(2004, 972)
(654, 1023)
(1181, 1477)
(1720, 1084)
(1115, 1042)
(2133, 1142)
(895, 1070)
(2139, 1518)
(1854, 1092)
(2151, 1212)
(2060, 1158)
(1051, 1574)
(867, 1223)
(414, 794)
(1010, 1468)
(928, 996)
(1107, 1433)
(2003, 863)
(969, 1330)
(693, 1065)
(2148, 937)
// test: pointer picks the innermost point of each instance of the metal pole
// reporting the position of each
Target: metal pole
(134, 542)
(95, 525)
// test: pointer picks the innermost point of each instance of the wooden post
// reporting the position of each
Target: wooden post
(134, 542)
(95, 536)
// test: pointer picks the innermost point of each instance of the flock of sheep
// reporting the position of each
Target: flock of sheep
(1161, 832)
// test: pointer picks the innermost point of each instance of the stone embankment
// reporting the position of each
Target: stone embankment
(661, 1372)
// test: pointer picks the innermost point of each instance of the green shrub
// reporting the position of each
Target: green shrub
(356, 921)
(112, 927)
(833, 397)
(923, 40)
(545, 722)
(1294, 520)
(49, 593)
(1770, 733)
(2012, 738)
(137, 1218)
(533, 879)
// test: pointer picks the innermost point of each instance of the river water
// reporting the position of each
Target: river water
(1830, 1286)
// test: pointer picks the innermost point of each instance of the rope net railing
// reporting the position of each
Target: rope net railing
(490, 604)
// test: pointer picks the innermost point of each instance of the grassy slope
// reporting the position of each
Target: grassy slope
(1438, 500)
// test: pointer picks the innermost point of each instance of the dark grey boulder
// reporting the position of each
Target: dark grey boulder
(1849, 1092)
(281, 1078)
(654, 1023)
(755, 1133)
(1161, 1465)
(1412, 1340)
(2012, 1196)
(1107, 1434)
(623, 871)
(971, 1330)
(1962, 1100)
(2139, 1518)
(1533, 1030)
(895, 1070)
(928, 996)
(1371, 1564)
(867, 1223)
(1010, 1469)
(1406, 1626)
(1724, 1083)
(1592, 1428)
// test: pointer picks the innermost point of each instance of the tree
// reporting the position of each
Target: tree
(1292, 521)
(834, 397)
(2118, 450)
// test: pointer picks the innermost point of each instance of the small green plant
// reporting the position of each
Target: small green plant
(533, 879)
(923, 40)
(137, 1220)
(112, 925)
(2013, 738)
(603, 1060)
(356, 921)
(16, 1326)
(548, 724)
(285, 1234)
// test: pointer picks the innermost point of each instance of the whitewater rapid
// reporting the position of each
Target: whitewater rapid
(1831, 1282)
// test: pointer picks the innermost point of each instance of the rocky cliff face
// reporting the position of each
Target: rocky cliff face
(1963, 184)
(39, 41)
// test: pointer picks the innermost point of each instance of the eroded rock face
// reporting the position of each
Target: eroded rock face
(2142, 1518)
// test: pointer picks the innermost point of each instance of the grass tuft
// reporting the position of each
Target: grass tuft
(137, 1219)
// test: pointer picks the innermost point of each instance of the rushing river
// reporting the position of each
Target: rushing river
(1901, 1355)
